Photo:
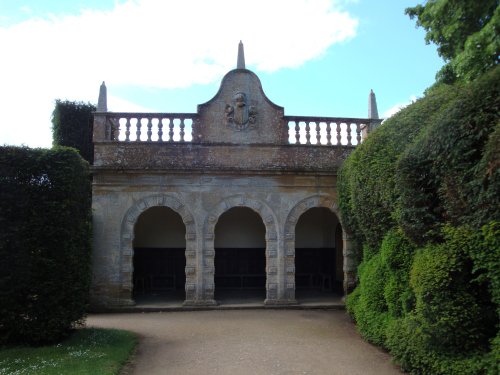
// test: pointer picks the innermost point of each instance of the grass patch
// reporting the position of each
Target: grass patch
(87, 351)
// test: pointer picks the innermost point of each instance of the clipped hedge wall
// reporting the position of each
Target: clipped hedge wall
(367, 188)
(72, 125)
(450, 173)
(44, 243)
(453, 326)
(383, 293)
(429, 225)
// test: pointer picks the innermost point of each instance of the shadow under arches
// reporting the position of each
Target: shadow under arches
(315, 201)
(271, 243)
(127, 248)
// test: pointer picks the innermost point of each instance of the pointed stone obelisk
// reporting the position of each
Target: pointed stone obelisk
(102, 102)
(374, 120)
(372, 106)
(241, 57)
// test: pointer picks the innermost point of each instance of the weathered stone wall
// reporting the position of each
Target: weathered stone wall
(119, 199)
(164, 157)
(239, 156)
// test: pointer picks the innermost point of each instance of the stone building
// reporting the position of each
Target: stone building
(236, 196)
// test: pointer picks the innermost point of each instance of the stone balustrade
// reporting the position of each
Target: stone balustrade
(178, 128)
(148, 127)
(325, 131)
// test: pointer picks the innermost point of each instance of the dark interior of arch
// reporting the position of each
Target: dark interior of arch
(159, 255)
(240, 261)
(318, 252)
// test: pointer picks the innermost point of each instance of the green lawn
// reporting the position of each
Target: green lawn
(89, 351)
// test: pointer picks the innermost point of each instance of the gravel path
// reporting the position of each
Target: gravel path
(248, 342)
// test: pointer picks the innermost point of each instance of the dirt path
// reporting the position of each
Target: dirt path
(248, 342)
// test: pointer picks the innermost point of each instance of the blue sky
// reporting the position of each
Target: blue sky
(314, 57)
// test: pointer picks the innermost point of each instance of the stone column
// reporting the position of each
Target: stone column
(192, 266)
(273, 267)
(287, 260)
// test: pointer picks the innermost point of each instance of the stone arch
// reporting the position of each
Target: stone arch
(293, 216)
(270, 222)
(127, 238)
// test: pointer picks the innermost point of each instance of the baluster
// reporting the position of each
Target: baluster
(160, 129)
(182, 130)
(328, 134)
(297, 133)
(138, 131)
(308, 135)
(127, 130)
(150, 132)
(193, 127)
(115, 129)
(111, 130)
(171, 131)
(107, 129)
(349, 137)
(339, 137)
(358, 133)
(318, 134)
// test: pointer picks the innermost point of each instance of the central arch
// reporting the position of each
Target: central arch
(271, 248)
(240, 261)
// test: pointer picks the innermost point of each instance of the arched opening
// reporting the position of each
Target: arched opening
(318, 255)
(240, 260)
(159, 256)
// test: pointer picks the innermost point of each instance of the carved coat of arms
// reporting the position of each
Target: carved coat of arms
(239, 115)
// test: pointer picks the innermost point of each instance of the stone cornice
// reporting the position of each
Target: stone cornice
(150, 156)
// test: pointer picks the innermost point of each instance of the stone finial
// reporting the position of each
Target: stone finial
(372, 106)
(374, 120)
(241, 57)
(102, 102)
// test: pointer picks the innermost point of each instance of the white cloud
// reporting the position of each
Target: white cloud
(151, 43)
(398, 107)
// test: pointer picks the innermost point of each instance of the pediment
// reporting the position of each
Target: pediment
(241, 113)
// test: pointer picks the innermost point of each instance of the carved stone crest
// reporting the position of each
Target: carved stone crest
(239, 115)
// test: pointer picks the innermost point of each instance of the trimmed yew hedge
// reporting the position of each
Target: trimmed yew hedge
(72, 124)
(423, 196)
(368, 190)
(44, 243)
(451, 174)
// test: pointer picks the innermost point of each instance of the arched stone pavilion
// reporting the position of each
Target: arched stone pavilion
(235, 196)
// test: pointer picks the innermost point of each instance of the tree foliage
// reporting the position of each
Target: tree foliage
(466, 33)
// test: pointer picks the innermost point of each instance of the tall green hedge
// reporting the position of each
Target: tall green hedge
(44, 243)
(368, 194)
(72, 124)
(426, 206)
(450, 173)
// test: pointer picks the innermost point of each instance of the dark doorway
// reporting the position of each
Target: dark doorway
(318, 255)
(240, 260)
(159, 256)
